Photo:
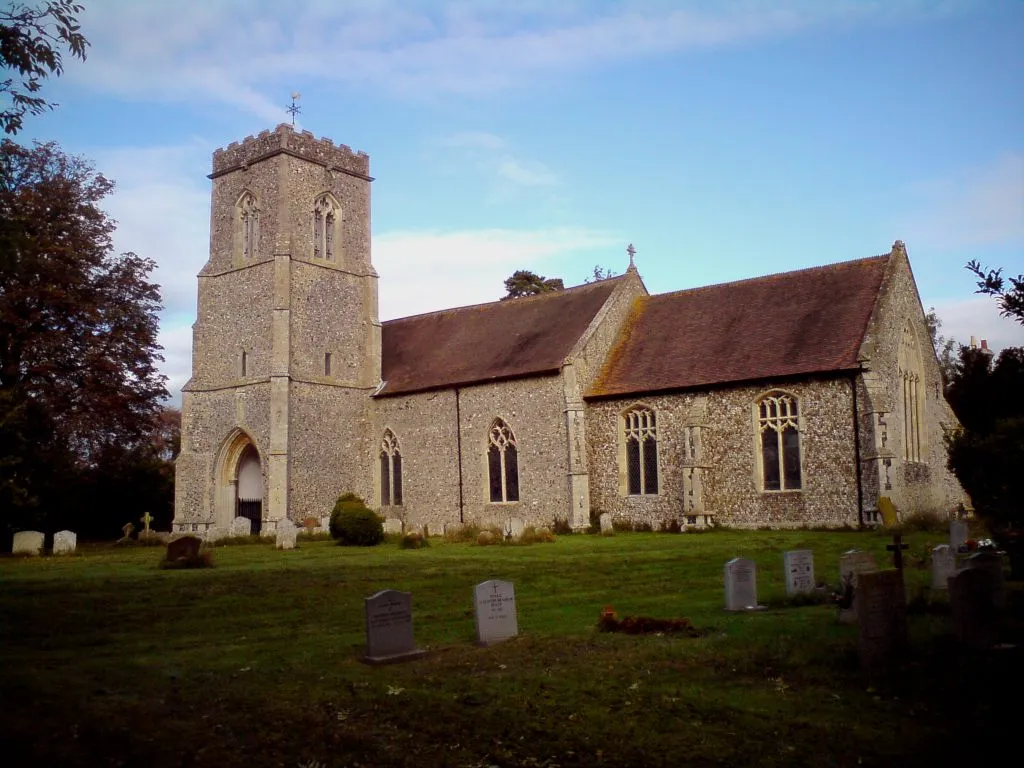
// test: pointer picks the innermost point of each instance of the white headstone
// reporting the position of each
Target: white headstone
(495, 611)
(514, 528)
(215, 533)
(389, 628)
(325, 523)
(943, 566)
(799, 565)
(740, 584)
(286, 534)
(606, 523)
(64, 542)
(393, 525)
(957, 534)
(241, 526)
(27, 543)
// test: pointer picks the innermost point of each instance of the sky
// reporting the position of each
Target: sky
(725, 140)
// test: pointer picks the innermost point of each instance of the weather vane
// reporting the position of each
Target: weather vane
(294, 109)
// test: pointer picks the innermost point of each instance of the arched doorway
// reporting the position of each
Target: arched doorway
(249, 489)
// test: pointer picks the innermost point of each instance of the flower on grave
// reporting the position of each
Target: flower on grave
(393, 691)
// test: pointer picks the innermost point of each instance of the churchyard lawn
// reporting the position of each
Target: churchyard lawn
(109, 660)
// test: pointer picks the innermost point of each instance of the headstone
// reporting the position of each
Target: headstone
(606, 523)
(976, 615)
(887, 510)
(127, 529)
(799, 565)
(943, 565)
(184, 548)
(740, 585)
(241, 526)
(64, 542)
(146, 519)
(389, 628)
(881, 618)
(27, 543)
(514, 528)
(393, 525)
(993, 563)
(957, 534)
(325, 523)
(215, 533)
(286, 534)
(851, 564)
(495, 612)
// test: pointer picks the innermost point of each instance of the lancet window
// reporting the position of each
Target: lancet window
(911, 396)
(640, 430)
(502, 463)
(248, 225)
(390, 470)
(326, 217)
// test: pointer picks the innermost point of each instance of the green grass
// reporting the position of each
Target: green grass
(108, 660)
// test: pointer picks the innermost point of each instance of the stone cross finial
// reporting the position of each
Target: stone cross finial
(632, 252)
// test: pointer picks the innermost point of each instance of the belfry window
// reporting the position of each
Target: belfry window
(502, 463)
(326, 217)
(247, 225)
(779, 442)
(390, 470)
(640, 430)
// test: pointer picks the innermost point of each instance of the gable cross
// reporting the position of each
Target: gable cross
(632, 252)
(897, 548)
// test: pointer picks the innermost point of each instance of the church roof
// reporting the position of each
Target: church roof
(487, 342)
(788, 324)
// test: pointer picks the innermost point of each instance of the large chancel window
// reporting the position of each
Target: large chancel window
(390, 470)
(911, 396)
(640, 430)
(502, 463)
(778, 423)
(247, 226)
(326, 217)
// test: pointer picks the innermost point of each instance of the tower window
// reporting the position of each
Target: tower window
(326, 218)
(247, 227)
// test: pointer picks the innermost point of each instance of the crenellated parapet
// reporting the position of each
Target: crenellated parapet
(284, 140)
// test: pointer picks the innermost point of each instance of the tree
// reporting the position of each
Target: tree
(526, 283)
(78, 327)
(991, 283)
(945, 348)
(599, 273)
(31, 39)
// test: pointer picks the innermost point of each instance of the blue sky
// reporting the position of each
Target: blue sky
(724, 139)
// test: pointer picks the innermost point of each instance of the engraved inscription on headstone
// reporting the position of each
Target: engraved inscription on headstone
(27, 543)
(495, 603)
(389, 628)
(882, 618)
(799, 565)
(740, 584)
(64, 542)
(943, 565)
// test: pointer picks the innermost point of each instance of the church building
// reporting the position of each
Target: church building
(795, 399)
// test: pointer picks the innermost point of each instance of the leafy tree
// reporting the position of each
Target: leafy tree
(599, 273)
(526, 283)
(79, 387)
(945, 348)
(992, 283)
(31, 39)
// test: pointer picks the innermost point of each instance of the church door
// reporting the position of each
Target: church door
(249, 498)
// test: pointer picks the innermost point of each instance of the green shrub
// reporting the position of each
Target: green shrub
(414, 540)
(353, 524)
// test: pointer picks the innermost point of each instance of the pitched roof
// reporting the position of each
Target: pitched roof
(487, 342)
(792, 323)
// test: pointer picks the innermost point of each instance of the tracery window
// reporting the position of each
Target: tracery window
(778, 422)
(248, 225)
(911, 395)
(641, 435)
(502, 463)
(326, 216)
(390, 470)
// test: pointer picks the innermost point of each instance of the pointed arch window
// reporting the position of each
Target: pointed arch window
(326, 218)
(390, 470)
(640, 430)
(502, 463)
(778, 423)
(247, 214)
(911, 395)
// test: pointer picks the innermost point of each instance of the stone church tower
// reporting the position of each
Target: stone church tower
(286, 345)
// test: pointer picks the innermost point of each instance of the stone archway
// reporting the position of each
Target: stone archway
(239, 482)
(249, 488)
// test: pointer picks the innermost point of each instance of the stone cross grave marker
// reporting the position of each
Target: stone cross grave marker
(241, 526)
(287, 534)
(64, 542)
(27, 543)
(799, 566)
(393, 525)
(741, 585)
(943, 566)
(389, 628)
(976, 614)
(897, 548)
(514, 528)
(184, 548)
(881, 618)
(606, 523)
(495, 603)
(146, 519)
(851, 564)
(957, 534)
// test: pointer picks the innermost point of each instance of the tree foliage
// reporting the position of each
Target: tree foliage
(526, 283)
(79, 387)
(1009, 291)
(945, 348)
(599, 273)
(31, 39)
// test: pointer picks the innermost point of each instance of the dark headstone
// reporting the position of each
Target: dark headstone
(185, 548)
(881, 618)
(976, 614)
(389, 628)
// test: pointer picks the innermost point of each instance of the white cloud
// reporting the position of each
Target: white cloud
(978, 316)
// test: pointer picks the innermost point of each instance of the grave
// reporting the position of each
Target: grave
(495, 603)
(241, 526)
(389, 628)
(393, 525)
(286, 534)
(881, 617)
(64, 542)
(957, 534)
(27, 543)
(127, 529)
(799, 566)
(185, 548)
(741, 585)
(976, 615)
(606, 523)
(215, 533)
(852, 563)
(991, 562)
(514, 528)
(943, 566)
